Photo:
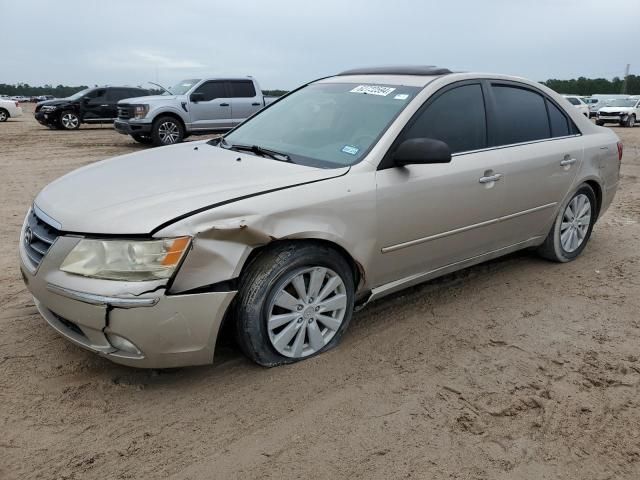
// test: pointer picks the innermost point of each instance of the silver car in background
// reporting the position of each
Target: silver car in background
(346, 190)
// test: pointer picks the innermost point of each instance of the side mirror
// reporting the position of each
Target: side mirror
(421, 151)
(197, 97)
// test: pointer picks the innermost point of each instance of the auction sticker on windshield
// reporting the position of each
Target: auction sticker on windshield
(373, 90)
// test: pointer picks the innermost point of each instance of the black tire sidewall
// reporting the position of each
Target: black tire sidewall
(155, 135)
(259, 286)
(561, 253)
(6, 115)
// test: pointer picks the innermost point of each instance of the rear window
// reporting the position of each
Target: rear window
(521, 115)
(560, 126)
(573, 101)
(242, 89)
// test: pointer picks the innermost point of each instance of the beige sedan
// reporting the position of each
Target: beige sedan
(343, 191)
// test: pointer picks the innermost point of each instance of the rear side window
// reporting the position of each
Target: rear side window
(212, 90)
(560, 126)
(457, 117)
(521, 115)
(242, 89)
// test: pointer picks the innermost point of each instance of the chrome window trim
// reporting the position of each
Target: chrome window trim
(510, 145)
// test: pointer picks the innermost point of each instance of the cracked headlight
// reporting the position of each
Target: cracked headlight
(126, 260)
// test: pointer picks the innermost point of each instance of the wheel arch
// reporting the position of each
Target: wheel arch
(170, 113)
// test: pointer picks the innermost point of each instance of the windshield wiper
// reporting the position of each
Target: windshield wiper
(258, 150)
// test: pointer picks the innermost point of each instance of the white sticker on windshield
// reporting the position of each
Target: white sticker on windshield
(401, 96)
(351, 150)
(373, 90)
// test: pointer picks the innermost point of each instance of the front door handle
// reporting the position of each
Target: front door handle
(224, 104)
(567, 161)
(490, 178)
(255, 104)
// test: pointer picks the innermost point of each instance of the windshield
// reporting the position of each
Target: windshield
(182, 87)
(325, 124)
(623, 102)
(79, 94)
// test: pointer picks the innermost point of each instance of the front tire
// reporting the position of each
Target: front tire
(69, 120)
(294, 302)
(4, 115)
(630, 122)
(572, 228)
(167, 131)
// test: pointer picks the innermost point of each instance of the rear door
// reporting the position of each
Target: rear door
(114, 95)
(543, 151)
(245, 100)
(431, 216)
(214, 111)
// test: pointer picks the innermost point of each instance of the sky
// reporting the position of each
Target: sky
(284, 43)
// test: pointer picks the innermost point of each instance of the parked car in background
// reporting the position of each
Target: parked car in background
(577, 102)
(192, 107)
(92, 105)
(594, 104)
(623, 111)
(9, 109)
(20, 98)
(347, 189)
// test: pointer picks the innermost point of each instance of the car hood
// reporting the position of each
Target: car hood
(615, 109)
(135, 193)
(150, 98)
(57, 101)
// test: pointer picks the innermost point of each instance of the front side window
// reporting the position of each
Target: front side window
(242, 89)
(457, 117)
(521, 115)
(212, 90)
(325, 124)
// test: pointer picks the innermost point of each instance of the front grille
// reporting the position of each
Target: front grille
(124, 112)
(609, 114)
(37, 238)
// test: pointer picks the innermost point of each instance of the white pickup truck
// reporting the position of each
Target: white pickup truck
(191, 107)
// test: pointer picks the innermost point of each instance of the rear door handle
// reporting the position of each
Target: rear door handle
(255, 104)
(567, 161)
(491, 178)
(224, 104)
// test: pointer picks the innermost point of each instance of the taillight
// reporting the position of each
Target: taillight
(620, 149)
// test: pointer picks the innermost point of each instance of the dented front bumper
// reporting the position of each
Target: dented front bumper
(107, 317)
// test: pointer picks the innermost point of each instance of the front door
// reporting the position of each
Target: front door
(94, 106)
(213, 110)
(431, 216)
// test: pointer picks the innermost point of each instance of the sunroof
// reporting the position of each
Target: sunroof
(399, 70)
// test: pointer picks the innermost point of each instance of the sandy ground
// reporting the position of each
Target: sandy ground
(518, 368)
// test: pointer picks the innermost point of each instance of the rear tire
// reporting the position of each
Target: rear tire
(69, 120)
(144, 139)
(289, 274)
(572, 227)
(167, 131)
(4, 115)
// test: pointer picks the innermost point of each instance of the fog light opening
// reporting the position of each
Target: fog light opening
(123, 344)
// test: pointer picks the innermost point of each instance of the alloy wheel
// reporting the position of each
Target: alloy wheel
(168, 132)
(70, 121)
(306, 311)
(3, 116)
(575, 223)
